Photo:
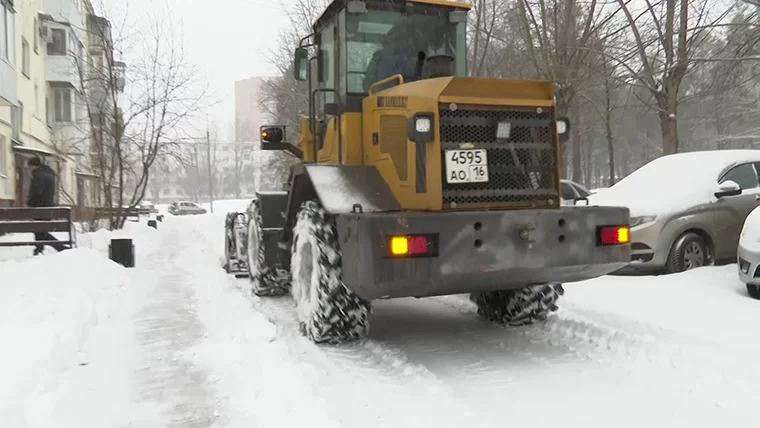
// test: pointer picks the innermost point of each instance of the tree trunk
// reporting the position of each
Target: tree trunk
(608, 132)
(576, 142)
(669, 130)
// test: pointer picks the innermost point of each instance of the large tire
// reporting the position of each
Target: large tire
(328, 312)
(519, 307)
(688, 252)
(754, 291)
(229, 239)
(266, 281)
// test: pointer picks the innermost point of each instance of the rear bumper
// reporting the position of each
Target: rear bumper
(561, 248)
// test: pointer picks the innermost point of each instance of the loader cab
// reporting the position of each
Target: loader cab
(357, 43)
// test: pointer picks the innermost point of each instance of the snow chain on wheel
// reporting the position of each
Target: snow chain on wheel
(328, 312)
(519, 307)
(229, 239)
(265, 280)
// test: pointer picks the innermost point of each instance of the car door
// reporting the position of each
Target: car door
(731, 211)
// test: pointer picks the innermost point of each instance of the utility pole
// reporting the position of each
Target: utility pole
(210, 174)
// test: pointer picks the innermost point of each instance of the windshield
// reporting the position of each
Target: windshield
(382, 43)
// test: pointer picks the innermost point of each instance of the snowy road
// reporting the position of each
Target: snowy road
(176, 342)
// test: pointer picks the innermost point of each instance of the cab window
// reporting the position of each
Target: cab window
(381, 43)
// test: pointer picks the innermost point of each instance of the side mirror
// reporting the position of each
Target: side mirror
(273, 138)
(301, 64)
(563, 129)
(272, 134)
(728, 188)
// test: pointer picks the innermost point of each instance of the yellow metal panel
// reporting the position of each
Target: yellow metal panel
(393, 141)
(305, 138)
(351, 128)
(480, 87)
(497, 101)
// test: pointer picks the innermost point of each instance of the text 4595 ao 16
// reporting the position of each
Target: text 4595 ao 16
(466, 166)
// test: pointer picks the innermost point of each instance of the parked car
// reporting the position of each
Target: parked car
(748, 254)
(687, 209)
(149, 206)
(571, 191)
(186, 208)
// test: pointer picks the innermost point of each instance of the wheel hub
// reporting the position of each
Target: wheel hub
(693, 256)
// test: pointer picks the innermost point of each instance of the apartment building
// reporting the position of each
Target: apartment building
(8, 99)
(249, 115)
(82, 77)
(51, 55)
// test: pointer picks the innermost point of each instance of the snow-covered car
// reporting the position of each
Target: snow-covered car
(748, 254)
(687, 209)
(148, 205)
(185, 208)
(571, 192)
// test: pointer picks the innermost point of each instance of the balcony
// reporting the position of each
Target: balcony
(62, 69)
(98, 32)
(8, 84)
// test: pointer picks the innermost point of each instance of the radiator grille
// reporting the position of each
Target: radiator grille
(522, 171)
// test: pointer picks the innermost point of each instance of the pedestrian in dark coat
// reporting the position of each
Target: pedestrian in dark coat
(42, 194)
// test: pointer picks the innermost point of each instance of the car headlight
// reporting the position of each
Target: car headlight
(635, 221)
(422, 124)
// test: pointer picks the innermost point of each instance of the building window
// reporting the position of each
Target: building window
(7, 24)
(36, 100)
(36, 36)
(61, 104)
(57, 45)
(25, 57)
(3, 157)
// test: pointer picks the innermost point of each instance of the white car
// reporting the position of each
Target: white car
(186, 208)
(571, 191)
(748, 253)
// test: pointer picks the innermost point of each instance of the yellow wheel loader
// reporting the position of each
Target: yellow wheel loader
(416, 180)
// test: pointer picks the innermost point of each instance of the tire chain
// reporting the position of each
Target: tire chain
(340, 314)
(266, 281)
(519, 307)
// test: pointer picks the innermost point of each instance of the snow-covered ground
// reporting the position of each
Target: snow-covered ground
(175, 342)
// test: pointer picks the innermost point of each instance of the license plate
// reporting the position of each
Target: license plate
(466, 166)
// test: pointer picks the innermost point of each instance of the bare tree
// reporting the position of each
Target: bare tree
(126, 132)
(665, 37)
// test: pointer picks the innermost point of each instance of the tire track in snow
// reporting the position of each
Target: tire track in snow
(168, 326)
(701, 370)
(368, 382)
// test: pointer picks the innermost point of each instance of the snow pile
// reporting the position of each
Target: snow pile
(672, 183)
(66, 345)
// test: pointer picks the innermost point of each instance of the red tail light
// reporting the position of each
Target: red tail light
(413, 245)
(613, 235)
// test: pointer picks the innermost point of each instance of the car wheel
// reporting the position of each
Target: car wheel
(688, 252)
(754, 291)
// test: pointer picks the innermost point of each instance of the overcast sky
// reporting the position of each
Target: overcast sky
(228, 40)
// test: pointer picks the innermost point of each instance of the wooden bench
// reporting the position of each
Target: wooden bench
(132, 214)
(37, 220)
